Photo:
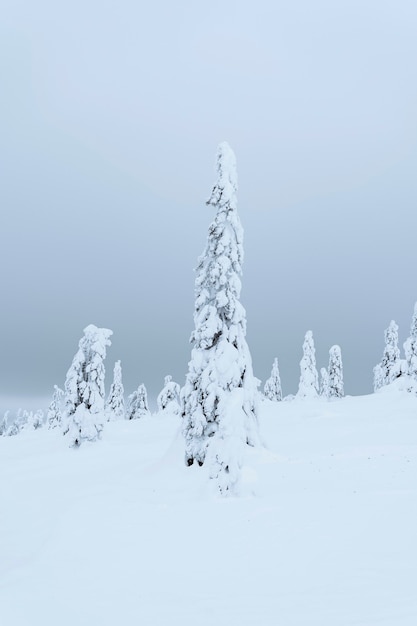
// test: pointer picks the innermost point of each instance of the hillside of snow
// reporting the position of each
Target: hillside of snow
(121, 532)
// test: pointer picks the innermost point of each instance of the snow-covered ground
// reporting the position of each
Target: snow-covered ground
(121, 532)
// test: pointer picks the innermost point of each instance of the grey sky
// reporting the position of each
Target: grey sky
(110, 114)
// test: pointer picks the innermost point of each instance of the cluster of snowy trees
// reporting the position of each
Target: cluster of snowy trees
(219, 401)
(331, 379)
(23, 420)
(218, 404)
(392, 367)
(80, 410)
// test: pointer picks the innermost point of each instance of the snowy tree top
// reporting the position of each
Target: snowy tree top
(100, 335)
(224, 191)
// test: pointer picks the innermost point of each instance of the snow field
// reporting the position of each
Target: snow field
(121, 532)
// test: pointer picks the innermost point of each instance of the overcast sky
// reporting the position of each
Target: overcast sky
(110, 115)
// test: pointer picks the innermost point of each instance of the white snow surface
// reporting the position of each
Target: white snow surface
(121, 532)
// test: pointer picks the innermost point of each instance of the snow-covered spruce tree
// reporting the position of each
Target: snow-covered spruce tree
(324, 383)
(219, 399)
(115, 407)
(54, 414)
(309, 385)
(84, 415)
(335, 373)
(410, 347)
(138, 404)
(22, 418)
(35, 419)
(169, 397)
(378, 377)
(391, 367)
(272, 388)
(4, 424)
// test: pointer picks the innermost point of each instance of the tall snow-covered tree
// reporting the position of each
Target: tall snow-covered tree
(169, 397)
(335, 373)
(54, 414)
(410, 347)
(324, 383)
(138, 404)
(272, 388)
(391, 364)
(116, 402)
(84, 414)
(309, 383)
(219, 399)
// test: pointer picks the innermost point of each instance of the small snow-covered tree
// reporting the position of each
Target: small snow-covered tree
(13, 430)
(4, 424)
(54, 414)
(138, 404)
(391, 366)
(84, 416)
(272, 388)
(22, 419)
(309, 385)
(335, 373)
(169, 397)
(324, 383)
(410, 347)
(378, 377)
(219, 399)
(35, 419)
(116, 402)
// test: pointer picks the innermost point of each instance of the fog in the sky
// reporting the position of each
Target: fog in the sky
(110, 115)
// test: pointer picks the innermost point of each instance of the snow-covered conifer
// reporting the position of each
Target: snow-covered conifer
(219, 399)
(84, 414)
(138, 404)
(391, 367)
(309, 385)
(116, 402)
(410, 347)
(169, 397)
(54, 414)
(4, 424)
(378, 377)
(335, 373)
(324, 383)
(272, 388)
(22, 419)
(35, 419)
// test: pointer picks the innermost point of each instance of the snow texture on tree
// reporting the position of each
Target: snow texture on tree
(169, 398)
(115, 408)
(220, 360)
(309, 385)
(84, 414)
(335, 373)
(54, 414)
(391, 366)
(225, 452)
(272, 388)
(324, 383)
(138, 404)
(410, 347)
